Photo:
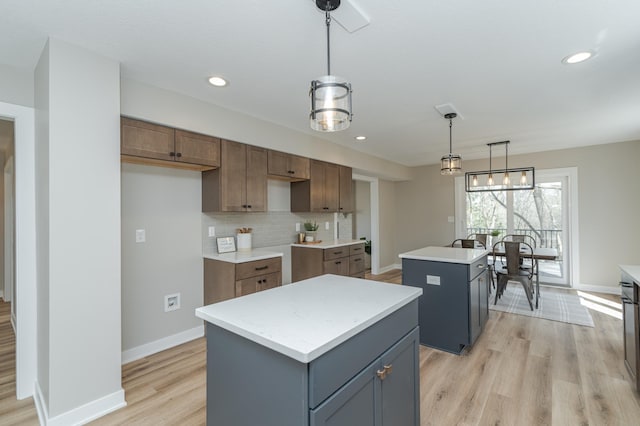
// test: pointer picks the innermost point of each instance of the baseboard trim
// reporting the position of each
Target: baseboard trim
(82, 414)
(598, 288)
(13, 323)
(159, 345)
(388, 268)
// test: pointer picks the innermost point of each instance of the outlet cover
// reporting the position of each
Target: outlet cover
(298, 227)
(172, 302)
(141, 236)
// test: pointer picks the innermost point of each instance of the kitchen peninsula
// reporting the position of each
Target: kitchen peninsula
(455, 302)
(330, 347)
(339, 257)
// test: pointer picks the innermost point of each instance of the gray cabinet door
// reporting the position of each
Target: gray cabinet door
(400, 388)
(352, 405)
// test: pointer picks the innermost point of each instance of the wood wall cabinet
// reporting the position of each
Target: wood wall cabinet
(288, 166)
(149, 143)
(226, 280)
(321, 193)
(240, 183)
(345, 204)
(308, 262)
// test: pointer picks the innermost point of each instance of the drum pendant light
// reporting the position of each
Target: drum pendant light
(450, 164)
(330, 95)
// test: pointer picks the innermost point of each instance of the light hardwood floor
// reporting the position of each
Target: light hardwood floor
(521, 371)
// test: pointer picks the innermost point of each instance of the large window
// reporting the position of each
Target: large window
(542, 213)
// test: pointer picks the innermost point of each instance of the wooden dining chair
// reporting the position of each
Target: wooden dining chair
(479, 237)
(467, 243)
(513, 272)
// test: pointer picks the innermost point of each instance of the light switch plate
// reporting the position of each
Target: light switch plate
(326, 225)
(298, 227)
(212, 231)
(141, 236)
(451, 219)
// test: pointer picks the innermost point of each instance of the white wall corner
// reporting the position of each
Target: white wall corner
(162, 344)
(80, 415)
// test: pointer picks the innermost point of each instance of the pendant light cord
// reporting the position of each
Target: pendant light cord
(328, 20)
(450, 143)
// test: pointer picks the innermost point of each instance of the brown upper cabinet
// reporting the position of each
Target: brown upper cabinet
(288, 166)
(149, 143)
(240, 183)
(346, 190)
(321, 193)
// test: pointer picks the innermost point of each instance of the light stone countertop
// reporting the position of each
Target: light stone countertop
(242, 256)
(633, 270)
(446, 254)
(306, 319)
(329, 243)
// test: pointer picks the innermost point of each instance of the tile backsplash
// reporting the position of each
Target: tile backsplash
(271, 228)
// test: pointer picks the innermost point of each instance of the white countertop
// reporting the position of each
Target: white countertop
(446, 254)
(329, 243)
(633, 270)
(242, 256)
(308, 318)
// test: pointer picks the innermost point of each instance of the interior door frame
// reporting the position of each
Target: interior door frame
(25, 256)
(375, 220)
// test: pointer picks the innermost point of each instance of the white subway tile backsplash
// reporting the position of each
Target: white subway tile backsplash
(271, 228)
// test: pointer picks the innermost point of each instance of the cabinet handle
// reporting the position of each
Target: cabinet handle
(325, 208)
(291, 172)
(357, 260)
(337, 252)
(381, 374)
(249, 206)
(172, 154)
(261, 268)
(244, 206)
(388, 368)
(341, 208)
(179, 155)
(626, 284)
(480, 266)
(339, 262)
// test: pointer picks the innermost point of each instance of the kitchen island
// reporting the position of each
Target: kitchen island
(454, 305)
(328, 349)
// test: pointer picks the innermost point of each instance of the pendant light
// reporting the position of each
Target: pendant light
(330, 95)
(502, 180)
(450, 164)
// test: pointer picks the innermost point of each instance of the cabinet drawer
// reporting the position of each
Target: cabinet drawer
(477, 268)
(338, 266)
(258, 283)
(356, 249)
(258, 267)
(334, 253)
(356, 264)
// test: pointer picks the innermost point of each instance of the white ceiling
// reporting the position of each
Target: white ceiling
(497, 61)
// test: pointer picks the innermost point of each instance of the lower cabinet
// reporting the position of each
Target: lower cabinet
(309, 262)
(226, 280)
(454, 305)
(372, 379)
(380, 395)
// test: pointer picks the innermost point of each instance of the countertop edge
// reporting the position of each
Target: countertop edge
(633, 271)
(445, 259)
(328, 244)
(246, 257)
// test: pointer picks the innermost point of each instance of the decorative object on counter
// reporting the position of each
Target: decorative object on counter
(311, 229)
(226, 244)
(301, 237)
(330, 95)
(244, 239)
(450, 164)
(502, 181)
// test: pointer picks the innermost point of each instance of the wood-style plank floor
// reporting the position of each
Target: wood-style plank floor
(521, 371)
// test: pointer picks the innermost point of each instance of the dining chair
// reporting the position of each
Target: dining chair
(479, 237)
(513, 271)
(467, 243)
(523, 238)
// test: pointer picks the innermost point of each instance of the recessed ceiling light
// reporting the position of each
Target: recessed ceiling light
(218, 81)
(360, 138)
(577, 57)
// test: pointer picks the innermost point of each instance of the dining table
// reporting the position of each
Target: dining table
(539, 253)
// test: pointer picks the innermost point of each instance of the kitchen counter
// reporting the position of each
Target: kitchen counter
(446, 254)
(329, 243)
(633, 271)
(242, 256)
(304, 320)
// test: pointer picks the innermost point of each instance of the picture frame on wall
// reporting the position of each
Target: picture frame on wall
(226, 244)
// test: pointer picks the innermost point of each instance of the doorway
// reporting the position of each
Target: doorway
(365, 217)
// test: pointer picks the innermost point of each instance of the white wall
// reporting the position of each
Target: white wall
(608, 206)
(16, 86)
(78, 154)
(166, 204)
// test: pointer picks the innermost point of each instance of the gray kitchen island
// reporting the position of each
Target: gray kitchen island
(330, 350)
(454, 305)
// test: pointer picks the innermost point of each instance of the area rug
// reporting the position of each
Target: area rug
(553, 305)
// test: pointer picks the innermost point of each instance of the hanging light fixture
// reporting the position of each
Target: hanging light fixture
(502, 180)
(450, 164)
(330, 95)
